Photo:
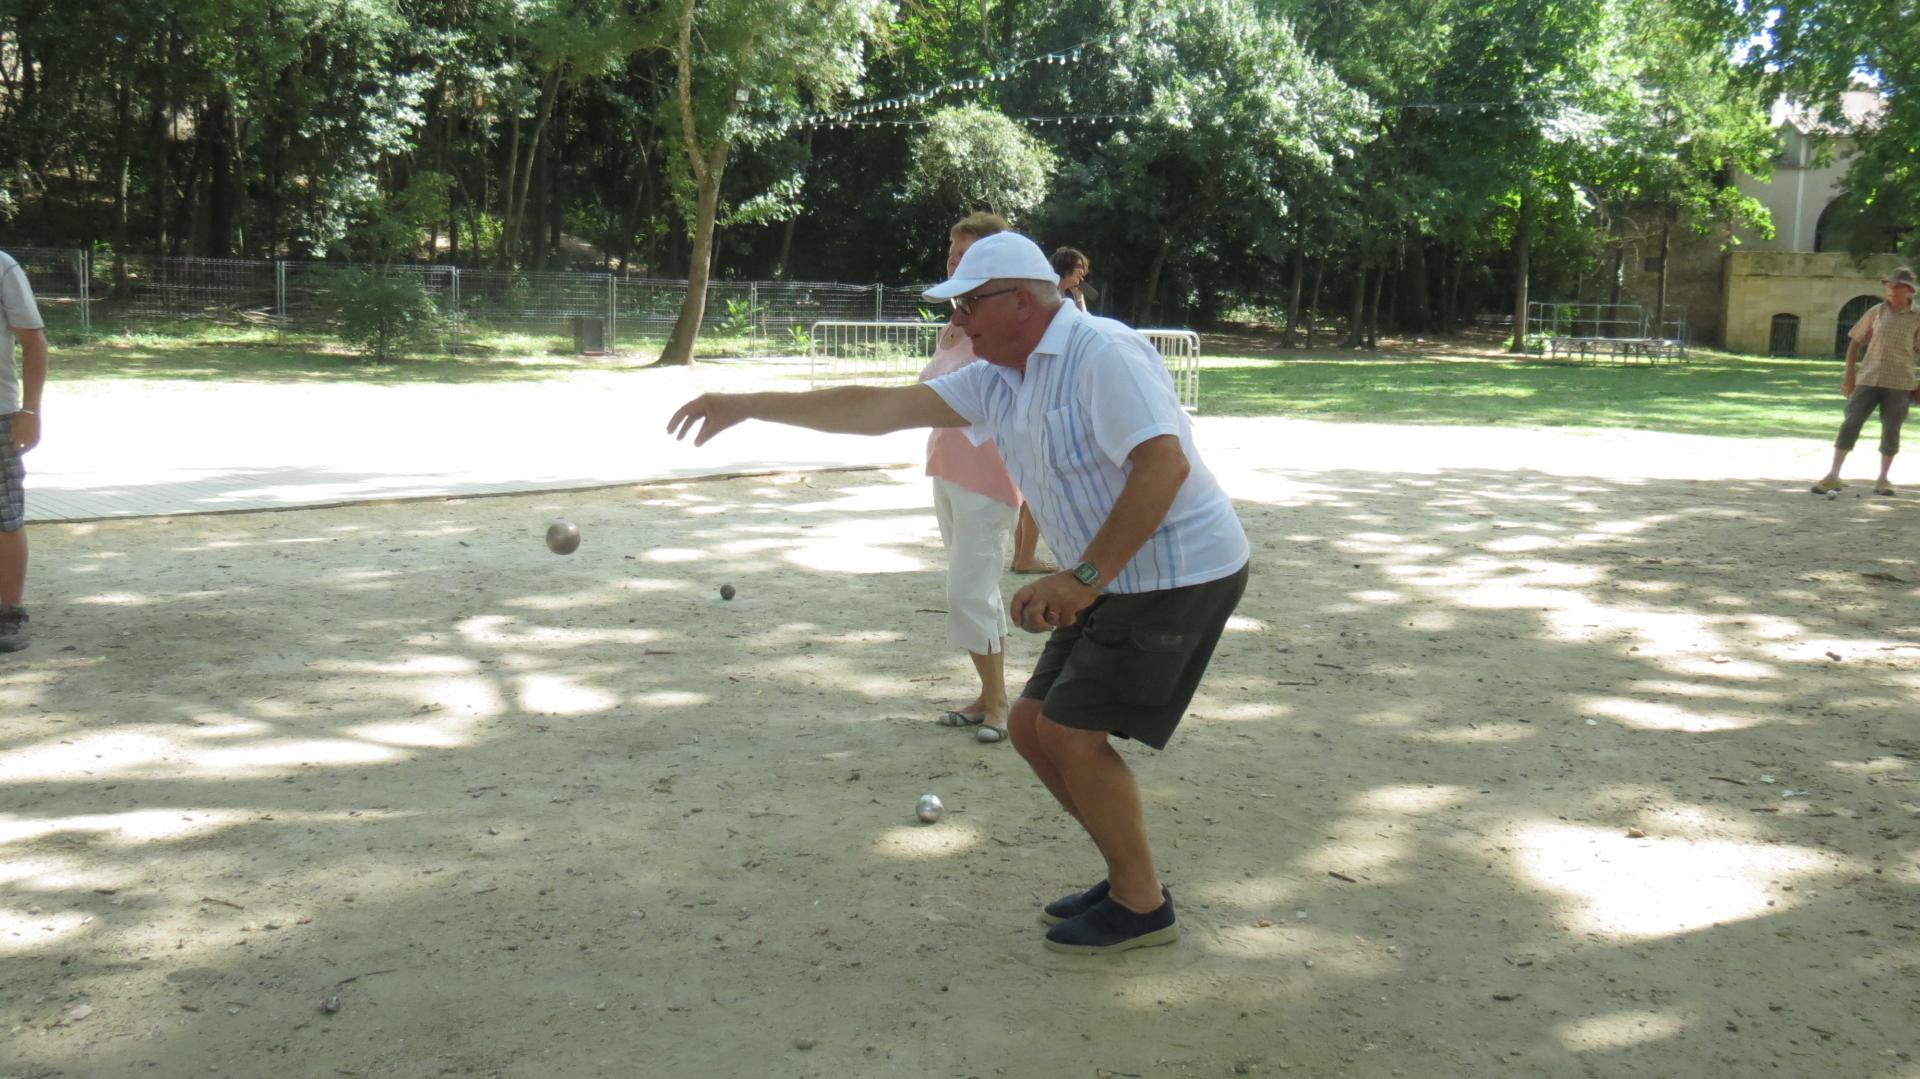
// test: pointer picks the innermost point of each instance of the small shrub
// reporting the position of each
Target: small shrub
(382, 314)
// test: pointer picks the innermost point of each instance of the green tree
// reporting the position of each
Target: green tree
(974, 158)
(750, 62)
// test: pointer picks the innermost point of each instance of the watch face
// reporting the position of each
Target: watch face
(1085, 573)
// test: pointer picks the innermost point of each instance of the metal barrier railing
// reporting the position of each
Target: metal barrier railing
(883, 353)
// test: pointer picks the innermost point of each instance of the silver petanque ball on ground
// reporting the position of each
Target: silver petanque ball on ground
(1831, 495)
(563, 537)
(929, 808)
(726, 591)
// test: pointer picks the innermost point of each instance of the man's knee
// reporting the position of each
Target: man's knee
(1022, 727)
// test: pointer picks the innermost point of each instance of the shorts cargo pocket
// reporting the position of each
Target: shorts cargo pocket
(1155, 662)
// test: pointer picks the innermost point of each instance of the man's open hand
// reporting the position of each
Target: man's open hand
(714, 412)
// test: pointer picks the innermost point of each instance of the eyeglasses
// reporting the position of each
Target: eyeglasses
(964, 304)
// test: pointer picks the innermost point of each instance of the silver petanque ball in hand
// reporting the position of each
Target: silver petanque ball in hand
(563, 537)
(929, 808)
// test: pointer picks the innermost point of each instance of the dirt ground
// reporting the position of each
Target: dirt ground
(1532, 757)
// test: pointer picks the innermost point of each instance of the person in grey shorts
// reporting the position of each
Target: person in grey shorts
(19, 432)
(1888, 337)
(1086, 418)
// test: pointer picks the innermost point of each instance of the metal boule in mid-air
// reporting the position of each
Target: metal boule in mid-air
(563, 537)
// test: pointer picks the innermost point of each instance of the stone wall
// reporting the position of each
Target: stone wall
(1812, 287)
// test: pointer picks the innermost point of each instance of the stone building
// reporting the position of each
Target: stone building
(1798, 292)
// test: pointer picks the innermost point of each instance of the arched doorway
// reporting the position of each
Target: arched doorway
(1784, 340)
(1849, 315)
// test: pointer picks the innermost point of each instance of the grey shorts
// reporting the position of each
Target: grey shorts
(13, 480)
(1893, 406)
(1131, 664)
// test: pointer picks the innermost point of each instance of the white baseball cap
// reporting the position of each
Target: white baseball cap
(1001, 255)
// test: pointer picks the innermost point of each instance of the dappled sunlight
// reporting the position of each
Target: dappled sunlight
(562, 695)
(448, 733)
(835, 550)
(118, 599)
(25, 930)
(493, 629)
(1475, 733)
(1356, 844)
(1619, 1030)
(1663, 716)
(920, 842)
(674, 555)
(1247, 711)
(1635, 889)
(669, 699)
(1410, 801)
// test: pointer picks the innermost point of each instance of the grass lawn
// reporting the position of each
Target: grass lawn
(1460, 381)
(1469, 381)
(241, 354)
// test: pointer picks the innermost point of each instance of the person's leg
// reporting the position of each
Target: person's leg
(13, 567)
(977, 531)
(1106, 801)
(1023, 724)
(1894, 406)
(1859, 407)
(1026, 545)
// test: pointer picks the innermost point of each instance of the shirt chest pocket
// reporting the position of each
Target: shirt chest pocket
(1068, 445)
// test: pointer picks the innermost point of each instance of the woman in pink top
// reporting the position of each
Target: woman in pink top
(977, 504)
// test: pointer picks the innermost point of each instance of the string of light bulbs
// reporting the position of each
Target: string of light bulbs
(1033, 121)
(849, 115)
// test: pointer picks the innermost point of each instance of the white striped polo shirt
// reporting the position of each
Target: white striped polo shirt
(1093, 390)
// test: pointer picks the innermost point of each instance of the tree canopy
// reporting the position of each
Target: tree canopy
(1203, 152)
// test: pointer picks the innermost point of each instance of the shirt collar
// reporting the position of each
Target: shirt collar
(1054, 341)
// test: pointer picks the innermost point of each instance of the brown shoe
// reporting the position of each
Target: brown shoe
(1827, 485)
(13, 629)
(1882, 487)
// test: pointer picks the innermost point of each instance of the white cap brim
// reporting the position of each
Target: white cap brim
(954, 286)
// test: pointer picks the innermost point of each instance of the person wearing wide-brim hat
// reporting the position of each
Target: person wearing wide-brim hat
(1882, 351)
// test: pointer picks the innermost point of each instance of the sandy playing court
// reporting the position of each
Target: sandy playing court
(1530, 753)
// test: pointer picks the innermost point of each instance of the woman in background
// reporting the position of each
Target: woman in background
(977, 504)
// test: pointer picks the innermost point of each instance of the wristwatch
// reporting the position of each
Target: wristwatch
(1087, 574)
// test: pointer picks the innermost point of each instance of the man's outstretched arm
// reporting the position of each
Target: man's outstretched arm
(846, 410)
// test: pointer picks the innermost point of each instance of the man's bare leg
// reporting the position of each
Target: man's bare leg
(1026, 545)
(1023, 726)
(1101, 793)
(13, 567)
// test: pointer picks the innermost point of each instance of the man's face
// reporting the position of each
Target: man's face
(994, 317)
(1898, 295)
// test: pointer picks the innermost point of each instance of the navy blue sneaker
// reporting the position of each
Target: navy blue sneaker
(1110, 927)
(1072, 906)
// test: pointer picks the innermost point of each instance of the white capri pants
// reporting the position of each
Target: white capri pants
(978, 532)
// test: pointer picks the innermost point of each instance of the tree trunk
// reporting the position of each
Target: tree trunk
(1413, 309)
(1660, 296)
(1357, 313)
(1373, 314)
(1143, 307)
(122, 173)
(1522, 252)
(1313, 304)
(517, 193)
(1299, 273)
(1613, 292)
(686, 328)
(220, 211)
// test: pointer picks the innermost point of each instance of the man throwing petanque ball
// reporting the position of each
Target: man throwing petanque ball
(1085, 415)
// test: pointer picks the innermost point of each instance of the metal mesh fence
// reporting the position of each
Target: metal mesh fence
(58, 277)
(615, 311)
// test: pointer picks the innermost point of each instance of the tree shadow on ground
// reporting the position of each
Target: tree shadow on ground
(526, 815)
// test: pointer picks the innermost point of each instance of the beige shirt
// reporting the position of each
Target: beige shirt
(1893, 344)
